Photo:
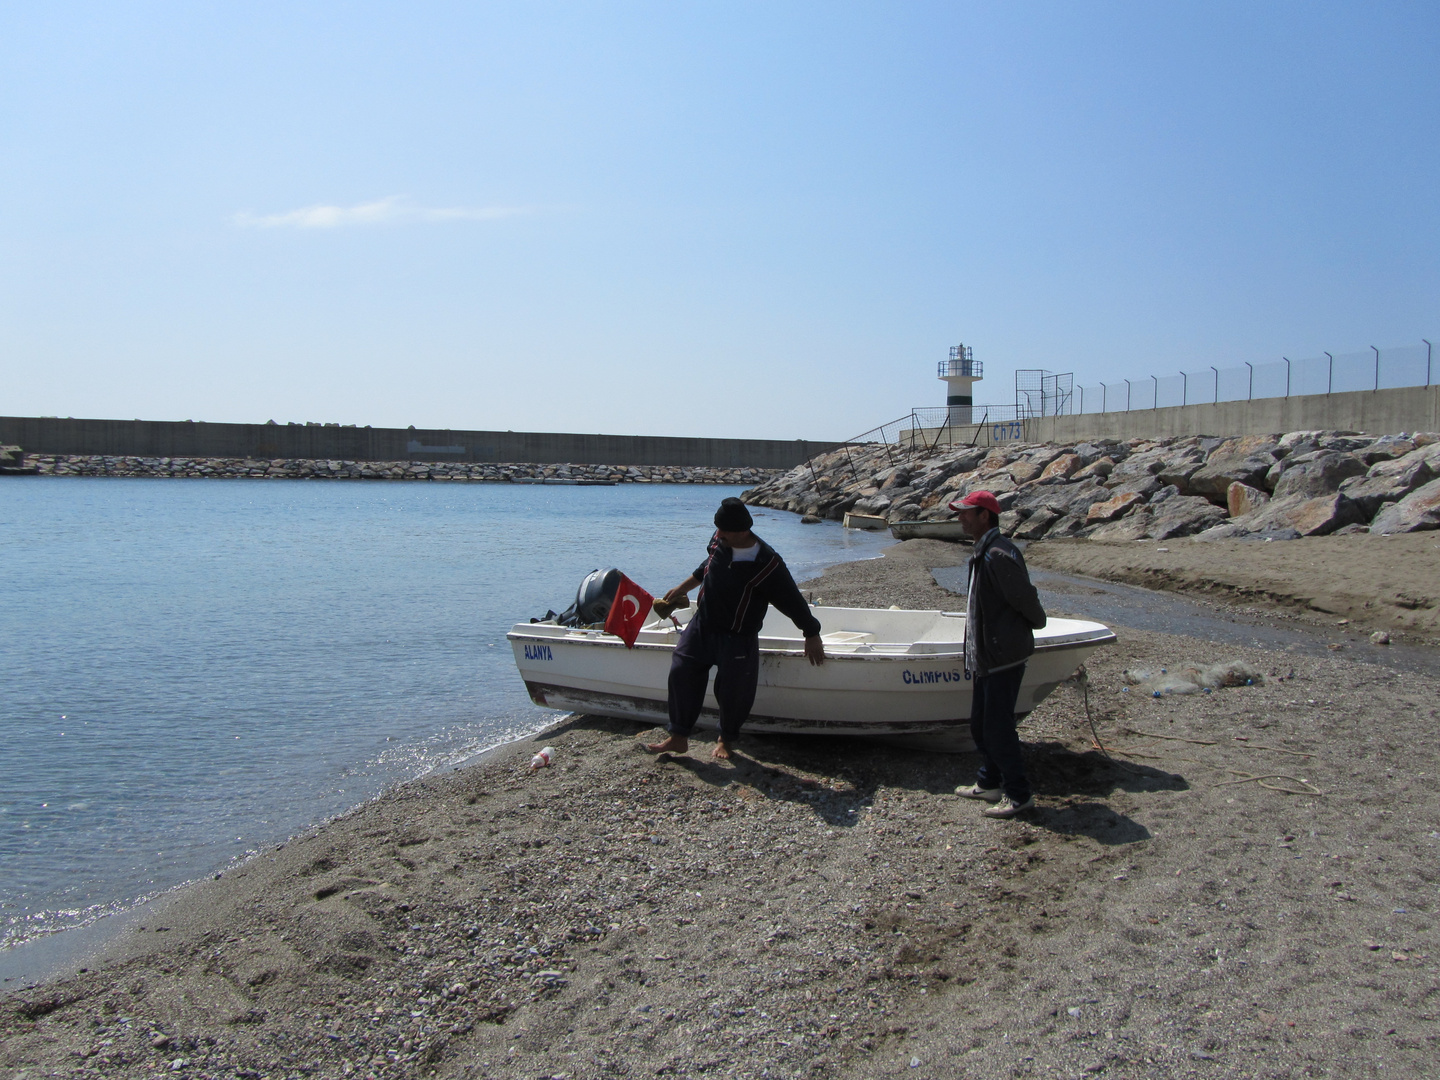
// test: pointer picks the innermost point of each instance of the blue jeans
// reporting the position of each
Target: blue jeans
(737, 657)
(992, 725)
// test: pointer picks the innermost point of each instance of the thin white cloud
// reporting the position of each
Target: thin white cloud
(391, 211)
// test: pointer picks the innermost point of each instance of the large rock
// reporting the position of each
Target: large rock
(1022, 472)
(1064, 467)
(1099, 469)
(1134, 526)
(1117, 506)
(1385, 448)
(1308, 517)
(1177, 470)
(1322, 475)
(1389, 481)
(1241, 499)
(1183, 515)
(875, 505)
(1246, 459)
(1417, 511)
(1063, 498)
(1036, 525)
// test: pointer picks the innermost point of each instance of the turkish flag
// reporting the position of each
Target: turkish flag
(627, 614)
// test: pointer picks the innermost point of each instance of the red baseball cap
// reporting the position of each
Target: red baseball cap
(983, 499)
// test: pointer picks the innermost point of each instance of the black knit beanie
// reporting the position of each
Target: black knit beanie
(733, 516)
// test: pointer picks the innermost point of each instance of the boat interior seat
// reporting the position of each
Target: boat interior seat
(846, 637)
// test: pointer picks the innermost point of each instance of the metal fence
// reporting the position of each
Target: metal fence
(1373, 369)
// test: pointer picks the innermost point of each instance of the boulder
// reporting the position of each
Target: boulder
(1241, 499)
(1145, 485)
(1064, 467)
(1035, 526)
(1068, 525)
(1415, 512)
(1322, 475)
(1063, 498)
(1134, 526)
(1099, 470)
(1137, 467)
(1345, 442)
(1298, 441)
(1389, 481)
(1226, 530)
(1308, 517)
(1183, 515)
(898, 477)
(1246, 459)
(1385, 448)
(875, 505)
(1022, 472)
(1276, 471)
(1113, 508)
(1177, 471)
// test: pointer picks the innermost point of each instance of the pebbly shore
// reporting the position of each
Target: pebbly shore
(1240, 885)
(459, 472)
(1267, 487)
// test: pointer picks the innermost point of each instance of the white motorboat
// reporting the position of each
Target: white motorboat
(895, 676)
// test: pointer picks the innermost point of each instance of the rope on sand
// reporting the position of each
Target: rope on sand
(1277, 749)
(1246, 778)
(1173, 738)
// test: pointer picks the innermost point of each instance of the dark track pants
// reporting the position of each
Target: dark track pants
(992, 725)
(737, 656)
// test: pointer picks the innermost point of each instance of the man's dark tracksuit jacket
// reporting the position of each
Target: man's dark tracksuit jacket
(725, 633)
(733, 596)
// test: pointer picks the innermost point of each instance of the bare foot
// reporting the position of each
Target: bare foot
(674, 744)
(721, 751)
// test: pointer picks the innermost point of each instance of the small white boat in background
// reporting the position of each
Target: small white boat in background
(950, 530)
(894, 676)
(865, 521)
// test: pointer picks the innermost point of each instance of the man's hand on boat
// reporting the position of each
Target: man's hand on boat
(815, 650)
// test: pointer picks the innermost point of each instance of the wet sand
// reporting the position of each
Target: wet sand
(1244, 886)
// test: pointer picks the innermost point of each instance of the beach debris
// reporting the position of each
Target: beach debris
(543, 758)
(1380, 637)
(1193, 678)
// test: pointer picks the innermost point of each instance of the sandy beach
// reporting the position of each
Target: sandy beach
(1242, 884)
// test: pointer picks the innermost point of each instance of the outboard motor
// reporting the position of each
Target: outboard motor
(592, 600)
(595, 595)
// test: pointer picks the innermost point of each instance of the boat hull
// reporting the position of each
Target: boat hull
(929, 530)
(910, 692)
(865, 521)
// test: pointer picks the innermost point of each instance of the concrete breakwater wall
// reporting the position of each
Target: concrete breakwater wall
(1278, 487)
(333, 469)
(334, 442)
(1411, 408)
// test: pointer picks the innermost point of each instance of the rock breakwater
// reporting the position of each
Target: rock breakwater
(1280, 487)
(300, 469)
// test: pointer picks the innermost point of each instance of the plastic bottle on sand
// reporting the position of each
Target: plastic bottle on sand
(540, 760)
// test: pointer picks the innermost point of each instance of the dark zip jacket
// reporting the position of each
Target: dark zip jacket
(734, 596)
(1005, 608)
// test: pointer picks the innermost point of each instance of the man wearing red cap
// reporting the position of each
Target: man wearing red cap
(1001, 616)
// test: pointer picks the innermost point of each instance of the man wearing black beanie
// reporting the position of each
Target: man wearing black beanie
(740, 577)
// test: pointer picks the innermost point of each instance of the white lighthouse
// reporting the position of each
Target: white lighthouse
(960, 373)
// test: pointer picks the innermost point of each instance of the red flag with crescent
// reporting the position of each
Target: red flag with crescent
(628, 612)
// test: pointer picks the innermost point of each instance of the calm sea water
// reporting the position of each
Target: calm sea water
(191, 669)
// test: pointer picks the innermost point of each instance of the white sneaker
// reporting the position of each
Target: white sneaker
(975, 791)
(1008, 807)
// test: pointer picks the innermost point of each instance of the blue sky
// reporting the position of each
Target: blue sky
(760, 220)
